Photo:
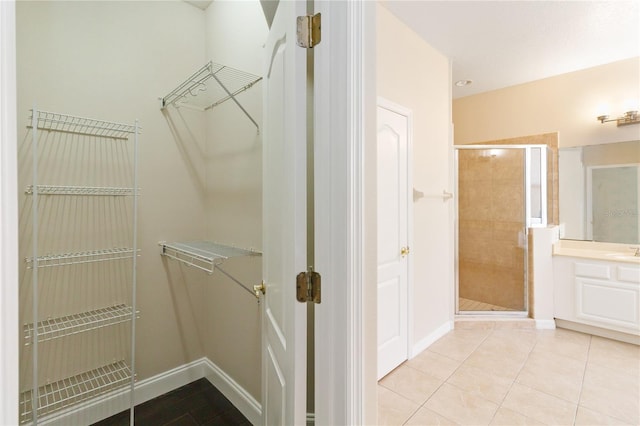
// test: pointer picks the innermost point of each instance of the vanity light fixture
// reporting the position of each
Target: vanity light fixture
(629, 117)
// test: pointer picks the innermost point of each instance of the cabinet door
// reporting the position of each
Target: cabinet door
(608, 302)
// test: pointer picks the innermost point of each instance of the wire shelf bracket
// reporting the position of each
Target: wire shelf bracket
(73, 324)
(63, 393)
(230, 82)
(206, 256)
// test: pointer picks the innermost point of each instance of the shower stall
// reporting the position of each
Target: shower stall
(501, 193)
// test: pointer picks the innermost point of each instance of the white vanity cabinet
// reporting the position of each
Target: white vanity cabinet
(597, 293)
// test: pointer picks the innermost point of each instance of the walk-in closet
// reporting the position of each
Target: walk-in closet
(140, 175)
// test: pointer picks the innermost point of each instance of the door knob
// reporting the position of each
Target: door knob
(404, 251)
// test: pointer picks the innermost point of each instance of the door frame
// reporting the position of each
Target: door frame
(345, 214)
(9, 327)
(408, 113)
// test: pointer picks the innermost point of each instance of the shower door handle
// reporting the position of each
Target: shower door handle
(404, 251)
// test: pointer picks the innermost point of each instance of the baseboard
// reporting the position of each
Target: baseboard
(598, 331)
(431, 338)
(235, 393)
(100, 408)
(545, 324)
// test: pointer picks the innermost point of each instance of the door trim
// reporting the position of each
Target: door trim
(8, 218)
(406, 112)
(345, 385)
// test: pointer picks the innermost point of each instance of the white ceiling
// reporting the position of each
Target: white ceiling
(503, 43)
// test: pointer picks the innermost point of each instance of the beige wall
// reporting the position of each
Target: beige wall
(413, 74)
(568, 104)
(112, 60)
(235, 34)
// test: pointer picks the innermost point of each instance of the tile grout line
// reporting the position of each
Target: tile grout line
(584, 374)
(448, 377)
(487, 333)
(582, 388)
(514, 381)
(413, 413)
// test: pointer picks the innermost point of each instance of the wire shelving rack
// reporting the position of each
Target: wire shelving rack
(63, 259)
(53, 121)
(64, 393)
(73, 324)
(79, 190)
(44, 399)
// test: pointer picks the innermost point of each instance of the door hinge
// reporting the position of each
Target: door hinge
(308, 285)
(308, 31)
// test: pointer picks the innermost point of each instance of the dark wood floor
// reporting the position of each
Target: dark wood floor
(196, 404)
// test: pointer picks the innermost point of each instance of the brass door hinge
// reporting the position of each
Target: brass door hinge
(308, 285)
(308, 31)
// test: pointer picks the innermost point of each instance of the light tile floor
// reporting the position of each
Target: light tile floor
(474, 305)
(498, 373)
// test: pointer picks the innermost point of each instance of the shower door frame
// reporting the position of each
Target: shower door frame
(528, 220)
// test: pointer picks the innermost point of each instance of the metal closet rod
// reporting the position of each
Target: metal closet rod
(232, 81)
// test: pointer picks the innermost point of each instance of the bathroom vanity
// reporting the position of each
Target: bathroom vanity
(597, 285)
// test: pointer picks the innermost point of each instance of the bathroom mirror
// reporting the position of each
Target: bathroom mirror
(600, 192)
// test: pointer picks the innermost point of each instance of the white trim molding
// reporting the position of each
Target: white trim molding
(239, 397)
(9, 328)
(112, 403)
(343, 120)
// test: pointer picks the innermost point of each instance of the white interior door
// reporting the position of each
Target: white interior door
(284, 221)
(393, 236)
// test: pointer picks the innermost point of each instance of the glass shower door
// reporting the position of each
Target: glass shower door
(492, 239)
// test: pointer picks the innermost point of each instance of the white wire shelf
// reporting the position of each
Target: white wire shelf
(65, 123)
(230, 83)
(58, 395)
(73, 324)
(79, 190)
(207, 256)
(62, 259)
(204, 255)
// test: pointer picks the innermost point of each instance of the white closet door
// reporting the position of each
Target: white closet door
(284, 324)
